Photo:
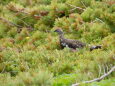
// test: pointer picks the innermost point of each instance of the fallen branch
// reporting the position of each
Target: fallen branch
(97, 79)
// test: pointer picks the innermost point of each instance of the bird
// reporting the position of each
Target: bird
(70, 43)
(73, 44)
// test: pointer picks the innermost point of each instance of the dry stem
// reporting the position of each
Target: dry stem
(97, 79)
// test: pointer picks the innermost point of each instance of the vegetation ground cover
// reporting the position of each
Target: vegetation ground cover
(30, 54)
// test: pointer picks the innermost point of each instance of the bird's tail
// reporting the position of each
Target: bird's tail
(95, 47)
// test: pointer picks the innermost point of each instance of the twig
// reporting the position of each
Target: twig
(75, 7)
(9, 22)
(24, 22)
(83, 4)
(24, 12)
(107, 68)
(111, 65)
(104, 69)
(18, 26)
(99, 70)
(97, 19)
(3, 69)
(97, 79)
(70, 5)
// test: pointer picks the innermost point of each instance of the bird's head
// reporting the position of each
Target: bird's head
(59, 31)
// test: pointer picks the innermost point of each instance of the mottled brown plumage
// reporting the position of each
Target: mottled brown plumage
(69, 42)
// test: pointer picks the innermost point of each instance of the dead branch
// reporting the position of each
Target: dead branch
(13, 8)
(83, 4)
(19, 28)
(3, 68)
(9, 22)
(12, 24)
(97, 79)
(99, 70)
(75, 7)
(107, 69)
(97, 19)
(104, 69)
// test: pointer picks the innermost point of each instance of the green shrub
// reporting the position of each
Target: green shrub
(33, 57)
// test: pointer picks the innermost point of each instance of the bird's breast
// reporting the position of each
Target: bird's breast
(64, 44)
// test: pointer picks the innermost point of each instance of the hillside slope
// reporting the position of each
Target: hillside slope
(30, 54)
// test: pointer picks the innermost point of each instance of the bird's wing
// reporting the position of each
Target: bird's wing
(75, 43)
